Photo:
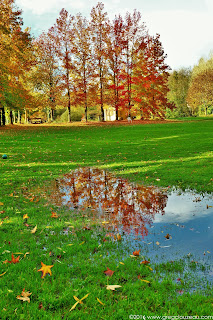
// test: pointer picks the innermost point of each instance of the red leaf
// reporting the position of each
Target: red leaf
(14, 260)
(108, 272)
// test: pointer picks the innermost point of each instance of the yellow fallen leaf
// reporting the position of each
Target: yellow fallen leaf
(1, 223)
(157, 243)
(121, 263)
(118, 237)
(25, 216)
(24, 296)
(112, 287)
(105, 222)
(145, 280)
(70, 244)
(1, 275)
(149, 268)
(81, 243)
(132, 256)
(1, 204)
(34, 229)
(208, 251)
(100, 302)
(78, 301)
(26, 254)
(48, 227)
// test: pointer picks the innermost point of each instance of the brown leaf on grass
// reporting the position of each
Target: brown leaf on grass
(144, 262)
(136, 252)
(24, 296)
(14, 260)
(108, 272)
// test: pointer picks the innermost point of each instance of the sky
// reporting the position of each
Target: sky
(185, 26)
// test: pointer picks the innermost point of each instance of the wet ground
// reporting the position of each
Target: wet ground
(165, 224)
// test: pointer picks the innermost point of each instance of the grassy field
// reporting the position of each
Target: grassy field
(170, 154)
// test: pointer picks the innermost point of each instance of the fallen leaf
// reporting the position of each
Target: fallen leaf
(168, 236)
(1, 275)
(112, 287)
(25, 216)
(54, 215)
(14, 260)
(34, 229)
(157, 243)
(100, 302)
(121, 263)
(118, 237)
(145, 280)
(24, 296)
(78, 301)
(1, 204)
(136, 252)
(108, 272)
(45, 269)
(144, 262)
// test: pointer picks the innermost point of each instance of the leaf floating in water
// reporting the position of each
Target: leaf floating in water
(168, 236)
(136, 252)
(157, 243)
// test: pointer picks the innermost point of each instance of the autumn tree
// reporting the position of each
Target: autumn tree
(100, 31)
(63, 33)
(200, 93)
(178, 83)
(46, 72)
(82, 70)
(115, 55)
(15, 59)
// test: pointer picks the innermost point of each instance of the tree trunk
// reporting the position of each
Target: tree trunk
(25, 116)
(11, 117)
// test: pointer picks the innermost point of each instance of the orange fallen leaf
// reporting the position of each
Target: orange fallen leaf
(136, 252)
(1, 204)
(14, 260)
(45, 269)
(108, 272)
(54, 215)
(144, 262)
(25, 216)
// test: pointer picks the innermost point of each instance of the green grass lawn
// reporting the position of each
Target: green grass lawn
(173, 154)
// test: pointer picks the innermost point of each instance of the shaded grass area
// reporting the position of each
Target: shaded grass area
(178, 154)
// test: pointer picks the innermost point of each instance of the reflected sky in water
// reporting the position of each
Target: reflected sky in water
(143, 215)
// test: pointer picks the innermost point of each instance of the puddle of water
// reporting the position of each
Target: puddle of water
(165, 223)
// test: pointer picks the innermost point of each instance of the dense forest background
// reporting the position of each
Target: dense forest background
(94, 69)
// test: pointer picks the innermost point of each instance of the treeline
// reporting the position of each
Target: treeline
(191, 90)
(81, 63)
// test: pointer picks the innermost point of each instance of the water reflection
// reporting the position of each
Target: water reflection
(123, 204)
